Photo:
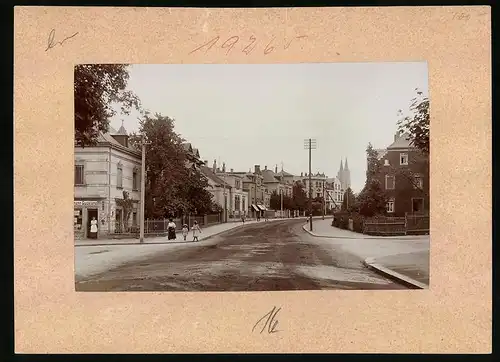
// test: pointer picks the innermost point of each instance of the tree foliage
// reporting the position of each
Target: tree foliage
(417, 123)
(349, 202)
(275, 201)
(127, 205)
(97, 88)
(172, 187)
(299, 196)
(372, 199)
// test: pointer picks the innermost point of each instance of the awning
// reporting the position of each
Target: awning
(255, 207)
(261, 207)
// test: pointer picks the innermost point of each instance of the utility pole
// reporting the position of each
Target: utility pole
(324, 203)
(143, 187)
(225, 198)
(310, 144)
(281, 194)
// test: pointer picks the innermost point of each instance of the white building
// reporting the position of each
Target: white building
(102, 173)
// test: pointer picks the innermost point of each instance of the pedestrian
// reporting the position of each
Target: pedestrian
(171, 229)
(196, 231)
(93, 228)
(266, 216)
(243, 218)
(185, 231)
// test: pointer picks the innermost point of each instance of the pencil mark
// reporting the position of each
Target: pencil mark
(461, 16)
(270, 323)
(290, 42)
(248, 49)
(230, 43)
(52, 42)
(212, 42)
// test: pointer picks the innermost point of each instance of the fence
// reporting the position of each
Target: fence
(410, 224)
(159, 226)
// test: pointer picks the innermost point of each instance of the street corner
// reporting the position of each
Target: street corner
(394, 274)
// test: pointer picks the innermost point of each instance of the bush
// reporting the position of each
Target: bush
(341, 220)
(357, 222)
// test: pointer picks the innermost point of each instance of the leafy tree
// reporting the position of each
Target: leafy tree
(97, 87)
(299, 196)
(127, 205)
(172, 188)
(275, 201)
(417, 123)
(349, 202)
(372, 199)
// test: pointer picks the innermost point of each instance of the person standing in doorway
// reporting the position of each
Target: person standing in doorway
(93, 228)
(196, 231)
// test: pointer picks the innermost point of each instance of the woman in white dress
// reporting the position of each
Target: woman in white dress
(93, 228)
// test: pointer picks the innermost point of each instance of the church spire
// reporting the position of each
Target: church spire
(341, 167)
(346, 166)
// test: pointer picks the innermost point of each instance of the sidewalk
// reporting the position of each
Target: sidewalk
(324, 229)
(411, 268)
(405, 258)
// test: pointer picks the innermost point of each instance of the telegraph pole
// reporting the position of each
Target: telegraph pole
(310, 144)
(324, 203)
(281, 194)
(143, 188)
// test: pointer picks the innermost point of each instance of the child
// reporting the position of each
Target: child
(184, 231)
(196, 231)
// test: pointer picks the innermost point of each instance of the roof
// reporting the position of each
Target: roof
(108, 138)
(402, 141)
(284, 173)
(269, 176)
(211, 175)
(381, 152)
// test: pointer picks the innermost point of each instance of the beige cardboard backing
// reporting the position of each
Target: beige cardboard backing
(454, 315)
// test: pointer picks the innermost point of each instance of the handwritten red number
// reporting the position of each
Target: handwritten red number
(248, 49)
(269, 48)
(229, 43)
(211, 42)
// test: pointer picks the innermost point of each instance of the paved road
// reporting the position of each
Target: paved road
(258, 257)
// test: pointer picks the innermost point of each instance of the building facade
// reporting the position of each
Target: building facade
(102, 173)
(404, 175)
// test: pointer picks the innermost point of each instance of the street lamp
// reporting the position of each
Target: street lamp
(143, 186)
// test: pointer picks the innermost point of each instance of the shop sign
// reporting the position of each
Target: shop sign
(87, 203)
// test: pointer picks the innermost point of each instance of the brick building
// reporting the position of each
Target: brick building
(404, 176)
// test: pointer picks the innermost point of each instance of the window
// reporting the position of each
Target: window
(417, 205)
(119, 176)
(237, 202)
(317, 195)
(390, 206)
(135, 180)
(79, 175)
(403, 158)
(134, 218)
(390, 182)
(419, 182)
(237, 184)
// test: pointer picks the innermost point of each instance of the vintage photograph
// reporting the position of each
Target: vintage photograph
(251, 177)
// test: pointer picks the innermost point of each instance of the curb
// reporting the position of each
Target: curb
(351, 237)
(391, 274)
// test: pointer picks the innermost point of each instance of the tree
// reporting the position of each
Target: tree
(299, 196)
(172, 188)
(417, 123)
(349, 201)
(275, 201)
(127, 205)
(97, 87)
(372, 199)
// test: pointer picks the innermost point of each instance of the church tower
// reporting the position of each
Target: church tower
(344, 175)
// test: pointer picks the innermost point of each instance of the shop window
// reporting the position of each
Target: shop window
(78, 219)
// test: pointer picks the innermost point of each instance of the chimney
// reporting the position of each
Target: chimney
(276, 169)
(223, 167)
(214, 167)
(206, 163)
(232, 170)
(301, 174)
(265, 168)
(257, 168)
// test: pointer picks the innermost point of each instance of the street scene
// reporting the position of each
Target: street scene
(251, 177)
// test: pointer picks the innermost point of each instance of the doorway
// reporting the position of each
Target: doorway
(118, 221)
(90, 214)
(417, 205)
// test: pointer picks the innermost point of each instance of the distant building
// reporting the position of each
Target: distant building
(102, 173)
(344, 175)
(404, 175)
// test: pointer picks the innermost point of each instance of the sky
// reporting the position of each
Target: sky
(260, 114)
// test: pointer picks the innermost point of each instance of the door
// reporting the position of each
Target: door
(118, 221)
(90, 214)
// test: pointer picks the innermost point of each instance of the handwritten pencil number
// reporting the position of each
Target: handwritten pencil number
(269, 48)
(212, 42)
(230, 43)
(248, 49)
